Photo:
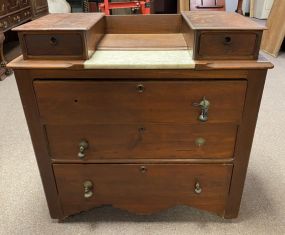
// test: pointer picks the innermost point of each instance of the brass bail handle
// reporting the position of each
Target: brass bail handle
(83, 146)
(204, 106)
(197, 188)
(88, 189)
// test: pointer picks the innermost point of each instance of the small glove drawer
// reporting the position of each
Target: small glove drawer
(56, 45)
(142, 188)
(227, 45)
(61, 36)
(223, 36)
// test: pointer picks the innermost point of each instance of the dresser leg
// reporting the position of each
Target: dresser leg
(4, 70)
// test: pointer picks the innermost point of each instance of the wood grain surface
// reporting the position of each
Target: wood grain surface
(227, 45)
(142, 24)
(142, 141)
(142, 42)
(67, 44)
(219, 20)
(87, 102)
(142, 125)
(62, 21)
(128, 187)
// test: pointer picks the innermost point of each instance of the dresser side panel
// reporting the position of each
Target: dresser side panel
(38, 136)
(256, 80)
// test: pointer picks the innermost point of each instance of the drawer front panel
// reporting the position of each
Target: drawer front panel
(223, 45)
(126, 141)
(50, 45)
(142, 188)
(139, 102)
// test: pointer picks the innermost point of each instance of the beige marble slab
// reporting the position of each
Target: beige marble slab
(180, 59)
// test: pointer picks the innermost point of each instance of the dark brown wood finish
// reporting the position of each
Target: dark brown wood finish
(228, 45)
(122, 102)
(62, 36)
(256, 80)
(149, 187)
(221, 35)
(42, 44)
(26, 78)
(139, 140)
(142, 140)
(26, 90)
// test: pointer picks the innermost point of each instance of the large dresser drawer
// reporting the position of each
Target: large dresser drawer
(138, 141)
(89, 102)
(228, 45)
(142, 188)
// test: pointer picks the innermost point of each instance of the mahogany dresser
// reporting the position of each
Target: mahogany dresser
(141, 112)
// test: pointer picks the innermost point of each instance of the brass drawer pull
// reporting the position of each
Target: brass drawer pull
(53, 41)
(204, 105)
(198, 188)
(140, 88)
(200, 141)
(83, 145)
(88, 189)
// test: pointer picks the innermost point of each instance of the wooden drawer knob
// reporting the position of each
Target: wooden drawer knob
(227, 40)
(53, 41)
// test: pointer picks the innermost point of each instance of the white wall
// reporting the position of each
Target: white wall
(231, 5)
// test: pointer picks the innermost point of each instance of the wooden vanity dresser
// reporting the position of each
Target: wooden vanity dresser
(141, 112)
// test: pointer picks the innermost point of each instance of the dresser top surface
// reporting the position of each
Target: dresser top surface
(261, 63)
(214, 20)
(63, 21)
